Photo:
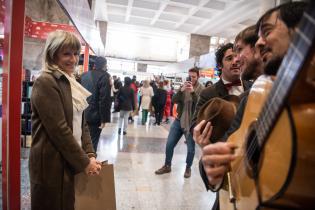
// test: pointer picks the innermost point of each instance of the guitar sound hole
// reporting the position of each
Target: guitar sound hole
(252, 153)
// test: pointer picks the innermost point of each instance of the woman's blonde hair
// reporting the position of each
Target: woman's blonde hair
(146, 83)
(58, 40)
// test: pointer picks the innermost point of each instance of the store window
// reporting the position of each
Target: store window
(222, 41)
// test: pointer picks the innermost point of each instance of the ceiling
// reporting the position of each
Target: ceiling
(223, 18)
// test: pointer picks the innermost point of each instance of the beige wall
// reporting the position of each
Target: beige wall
(45, 10)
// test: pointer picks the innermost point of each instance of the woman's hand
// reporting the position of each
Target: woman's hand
(94, 167)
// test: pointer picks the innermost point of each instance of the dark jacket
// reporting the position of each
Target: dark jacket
(97, 82)
(154, 87)
(126, 100)
(159, 98)
(117, 84)
(236, 123)
(55, 156)
(216, 90)
(179, 99)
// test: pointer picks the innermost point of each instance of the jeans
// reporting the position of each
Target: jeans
(95, 133)
(176, 132)
(123, 117)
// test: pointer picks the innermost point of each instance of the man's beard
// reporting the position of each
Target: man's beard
(252, 71)
(273, 65)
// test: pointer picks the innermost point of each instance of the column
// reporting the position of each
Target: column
(142, 67)
(86, 58)
(103, 31)
(199, 45)
(11, 99)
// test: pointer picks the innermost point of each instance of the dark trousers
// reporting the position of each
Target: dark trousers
(144, 116)
(159, 110)
(95, 133)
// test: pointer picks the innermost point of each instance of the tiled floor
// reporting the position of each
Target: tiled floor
(136, 156)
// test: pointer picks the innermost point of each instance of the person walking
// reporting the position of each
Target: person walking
(159, 101)
(126, 100)
(97, 81)
(168, 104)
(146, 93)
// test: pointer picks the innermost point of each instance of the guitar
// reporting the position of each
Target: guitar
(275, 155)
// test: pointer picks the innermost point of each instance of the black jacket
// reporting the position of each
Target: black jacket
(97, 82)
(221, 92)
(216, 90)
(179, 99)
(236, 123)
(117, 84)
(159, 98)
(126, 100)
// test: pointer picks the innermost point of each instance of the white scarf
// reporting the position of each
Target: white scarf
(78, 92)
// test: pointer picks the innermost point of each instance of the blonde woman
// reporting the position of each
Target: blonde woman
(146, 93)
(61, 144)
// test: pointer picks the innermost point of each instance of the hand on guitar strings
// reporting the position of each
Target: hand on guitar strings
(216, 159)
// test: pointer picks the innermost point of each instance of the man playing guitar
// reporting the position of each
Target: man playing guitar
(276, 29)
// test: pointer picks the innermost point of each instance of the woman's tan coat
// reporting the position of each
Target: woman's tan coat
(55, 156)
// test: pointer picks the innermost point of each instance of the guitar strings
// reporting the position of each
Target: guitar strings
(254, 143)
(283, 73)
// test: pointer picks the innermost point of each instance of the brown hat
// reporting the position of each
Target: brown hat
(220, 112)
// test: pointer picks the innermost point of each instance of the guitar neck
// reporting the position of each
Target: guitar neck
(291, 67)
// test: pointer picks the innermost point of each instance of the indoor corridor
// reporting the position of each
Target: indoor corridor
(135, 157)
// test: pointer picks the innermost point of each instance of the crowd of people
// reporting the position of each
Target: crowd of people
(152, 98)
(66, 143)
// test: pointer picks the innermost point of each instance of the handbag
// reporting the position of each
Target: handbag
(96, 192)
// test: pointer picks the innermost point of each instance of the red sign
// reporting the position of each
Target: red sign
(40, 30)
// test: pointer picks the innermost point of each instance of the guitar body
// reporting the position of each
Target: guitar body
(286, 178)
(243, 185)
(281, 174)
